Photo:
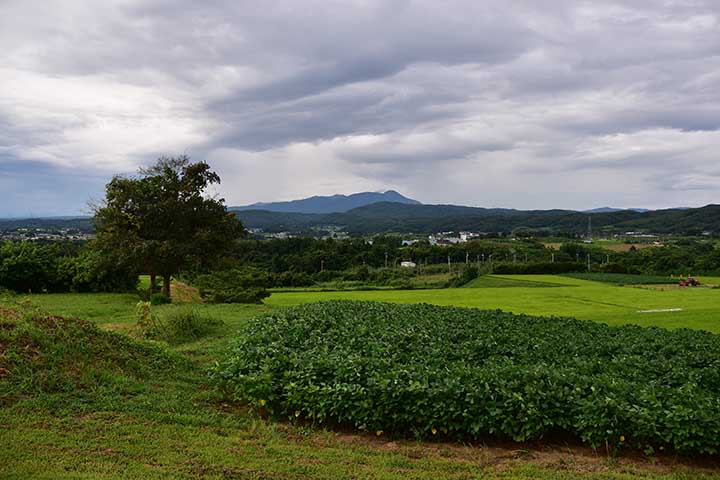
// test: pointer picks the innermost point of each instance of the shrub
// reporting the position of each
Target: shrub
(468, 274)
(159, 299)
(147, 324)
(464, 373)
(234, 286)
(185, 323)
(176, 325)
(293, 279)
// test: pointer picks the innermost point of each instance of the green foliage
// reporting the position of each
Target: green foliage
(426, 370)
(92, 272)
(162, 222)
(27, 267)
(159, 299)
(147, 324)
(175, 325)
(467, 275)
(44, 354)
(185, 323)
(247, 285)
(31, 267)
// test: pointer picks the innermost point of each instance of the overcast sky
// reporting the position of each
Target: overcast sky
(513, 103)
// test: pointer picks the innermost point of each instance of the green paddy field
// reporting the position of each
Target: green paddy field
(652, 305)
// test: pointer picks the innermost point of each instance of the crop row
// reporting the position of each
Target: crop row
(426, 370)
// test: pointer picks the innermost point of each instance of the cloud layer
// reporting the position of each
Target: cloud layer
(513, 103)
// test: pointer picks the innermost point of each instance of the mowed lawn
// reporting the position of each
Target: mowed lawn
(697, 308)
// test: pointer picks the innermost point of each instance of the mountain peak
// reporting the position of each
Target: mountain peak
(330, 204)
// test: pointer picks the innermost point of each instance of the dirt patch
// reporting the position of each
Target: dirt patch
(117, 327)
(6, 326)
(505, 455)
(6, 313)
(184, 293)
(53, 322)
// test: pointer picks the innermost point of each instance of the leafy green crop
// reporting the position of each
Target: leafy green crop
(427, 370)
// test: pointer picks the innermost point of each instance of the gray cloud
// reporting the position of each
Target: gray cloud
(515, 103)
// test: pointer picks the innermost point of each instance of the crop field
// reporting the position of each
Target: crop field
(697, 308)
(428, 371)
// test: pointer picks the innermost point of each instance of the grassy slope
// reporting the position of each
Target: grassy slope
(573, 297)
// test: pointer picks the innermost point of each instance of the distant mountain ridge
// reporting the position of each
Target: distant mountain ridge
(410, 216)
(329, 204)
(387, 217)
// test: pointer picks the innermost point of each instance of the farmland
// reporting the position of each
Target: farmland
(556, 295)
(424, 370)
(197, 433)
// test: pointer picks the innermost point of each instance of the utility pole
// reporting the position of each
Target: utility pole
(588, 261)
(386, 259)
(467, 258)
(449, 267)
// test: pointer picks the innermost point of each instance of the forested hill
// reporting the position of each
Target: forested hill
(395, 217)
(409, 218)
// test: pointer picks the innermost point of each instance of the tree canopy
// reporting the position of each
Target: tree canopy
(162, 220)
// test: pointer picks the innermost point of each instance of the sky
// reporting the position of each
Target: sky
(507, 103)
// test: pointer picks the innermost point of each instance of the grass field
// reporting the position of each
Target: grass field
(587, 300)
(176, 428)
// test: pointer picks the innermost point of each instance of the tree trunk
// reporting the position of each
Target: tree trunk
(166, 285)
(153, 283)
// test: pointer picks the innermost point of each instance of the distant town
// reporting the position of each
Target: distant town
(45, 234)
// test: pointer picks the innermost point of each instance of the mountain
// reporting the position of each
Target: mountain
(331, 204)
(412, 218)
(611, 210)
(385, 217)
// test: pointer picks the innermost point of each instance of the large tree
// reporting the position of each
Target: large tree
(163, 221)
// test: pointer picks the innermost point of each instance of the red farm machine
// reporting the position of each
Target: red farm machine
(690, 281)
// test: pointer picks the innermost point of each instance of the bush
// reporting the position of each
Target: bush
(159, 299)
(176, 325)
(424, 370)
(234, 286)
(293, 279)
(186, 323)
(468, 274)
